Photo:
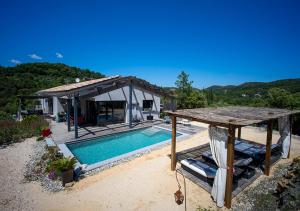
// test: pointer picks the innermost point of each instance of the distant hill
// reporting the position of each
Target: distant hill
(291, 85)
(26, 79)
(247, 93)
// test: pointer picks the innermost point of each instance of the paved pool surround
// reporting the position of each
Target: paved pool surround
(118, 159)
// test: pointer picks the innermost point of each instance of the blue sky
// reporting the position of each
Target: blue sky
(216, 42)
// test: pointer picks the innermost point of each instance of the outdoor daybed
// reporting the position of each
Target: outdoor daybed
(224, 122)
(255, 151)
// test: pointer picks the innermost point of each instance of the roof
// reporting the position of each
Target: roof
(95, 87)
(232, 115)
(74, 86)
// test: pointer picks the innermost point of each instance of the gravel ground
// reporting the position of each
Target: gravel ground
(259, 197)
(35, 169)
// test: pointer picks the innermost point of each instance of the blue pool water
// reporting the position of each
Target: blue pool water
(96, 150)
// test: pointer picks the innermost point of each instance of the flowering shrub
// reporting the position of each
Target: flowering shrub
(46, 132)
(52, 175)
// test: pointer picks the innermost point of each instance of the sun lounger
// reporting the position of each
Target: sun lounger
(238, 161)
(199, 167)
(255, 151)
(206, 171)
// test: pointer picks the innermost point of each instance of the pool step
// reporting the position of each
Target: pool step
(151, 131)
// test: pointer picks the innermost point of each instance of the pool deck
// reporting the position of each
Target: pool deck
(61, 135)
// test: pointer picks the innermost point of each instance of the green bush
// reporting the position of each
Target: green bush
(14, 131)
(40, 138)
(62, 164)
(5, 116)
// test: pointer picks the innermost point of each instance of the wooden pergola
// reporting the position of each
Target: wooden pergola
(231, 118)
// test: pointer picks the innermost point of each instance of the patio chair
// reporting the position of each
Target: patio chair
(179, 121)
(167, 120)
(186, 122)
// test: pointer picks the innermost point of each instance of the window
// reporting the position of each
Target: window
(147, 105)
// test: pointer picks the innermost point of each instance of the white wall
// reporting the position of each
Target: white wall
(44, 105)
(57, 107)
(138, 96)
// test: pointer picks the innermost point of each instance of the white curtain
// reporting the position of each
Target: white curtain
(218, 145)
(284, 131)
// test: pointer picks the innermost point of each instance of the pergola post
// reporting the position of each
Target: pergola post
(239, 133)
(173, 147)
(268, 147)
(230, 159)
(68, 114)
(76, 116)
(130, 103)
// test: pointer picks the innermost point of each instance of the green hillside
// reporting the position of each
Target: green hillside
(252, 93)
(26, 79)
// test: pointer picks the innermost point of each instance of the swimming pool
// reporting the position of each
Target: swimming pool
(114, 146)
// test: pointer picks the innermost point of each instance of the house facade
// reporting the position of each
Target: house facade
(111, 106)
(114, 99)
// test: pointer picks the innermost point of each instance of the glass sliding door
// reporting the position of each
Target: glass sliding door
(110, 111)
(119, 110)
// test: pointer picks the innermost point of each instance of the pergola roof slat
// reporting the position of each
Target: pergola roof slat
(232, 115)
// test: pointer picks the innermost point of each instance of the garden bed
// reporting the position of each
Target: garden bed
(36, 168)
(279, 192)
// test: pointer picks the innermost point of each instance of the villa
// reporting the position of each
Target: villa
(113, 99)
(223, 165)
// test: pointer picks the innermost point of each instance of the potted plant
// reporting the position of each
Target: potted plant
(64, 167)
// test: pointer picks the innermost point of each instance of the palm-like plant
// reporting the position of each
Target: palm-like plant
(64, 164)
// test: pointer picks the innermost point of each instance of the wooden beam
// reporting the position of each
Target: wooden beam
(173, 147)
(239, 133)
(268, 147)
(230, 159)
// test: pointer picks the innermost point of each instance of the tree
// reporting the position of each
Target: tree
(197, 99)
(184, 89)
(280, 98)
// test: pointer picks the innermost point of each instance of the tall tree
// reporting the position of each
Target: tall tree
(184, 89)
(280, 98)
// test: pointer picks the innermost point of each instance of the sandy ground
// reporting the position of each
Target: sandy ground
(145, 183)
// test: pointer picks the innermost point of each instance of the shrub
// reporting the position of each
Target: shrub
(9, 132)
(5, 116)
(40, 138)
(13, 131)
(62, 164)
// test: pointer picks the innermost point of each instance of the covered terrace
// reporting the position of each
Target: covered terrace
(224, 122)
(78, 92)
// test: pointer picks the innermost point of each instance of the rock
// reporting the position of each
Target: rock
(69, 184)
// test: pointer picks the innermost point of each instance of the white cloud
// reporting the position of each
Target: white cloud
(15, 61)
(34, 56)
(59, 55)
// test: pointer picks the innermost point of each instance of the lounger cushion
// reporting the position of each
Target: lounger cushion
(200, 167)
(252, 150)
(237, 162)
